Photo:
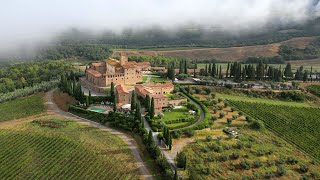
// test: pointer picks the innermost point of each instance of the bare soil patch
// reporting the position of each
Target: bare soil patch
(228, 54)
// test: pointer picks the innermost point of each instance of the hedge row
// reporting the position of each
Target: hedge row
(180, 120)
(93, 116)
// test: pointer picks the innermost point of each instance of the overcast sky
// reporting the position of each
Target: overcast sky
(28, 21)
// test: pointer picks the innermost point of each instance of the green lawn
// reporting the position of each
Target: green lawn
(176, 114)
(261, 100)
(175, 125)
(55, 148)
(22, 107)
(154, 79)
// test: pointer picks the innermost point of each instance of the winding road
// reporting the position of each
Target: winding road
(54, 109)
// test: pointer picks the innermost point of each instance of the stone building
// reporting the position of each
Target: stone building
(123, 95)
(157, 92)
(121, 72)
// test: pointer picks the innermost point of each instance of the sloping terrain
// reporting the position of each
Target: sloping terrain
(227, 54)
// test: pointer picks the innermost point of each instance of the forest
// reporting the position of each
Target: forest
(22, 75)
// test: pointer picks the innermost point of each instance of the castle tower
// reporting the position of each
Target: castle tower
(123, 58)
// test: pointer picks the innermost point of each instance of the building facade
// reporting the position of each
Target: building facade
(100, 75)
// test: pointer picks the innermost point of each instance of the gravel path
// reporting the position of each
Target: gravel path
(53, 109)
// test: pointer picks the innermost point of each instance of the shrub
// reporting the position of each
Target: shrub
(269, 175)
(315, 175)
(205, 149)
(216, 148)
(248, 119)
(190, 133)
(232, 109)
(214, 102)
(303, 168)
(244, 165)
(223, 158)
(257, 164)
(220, 108)
(257, 125)
(176, 134)
(240, 113)
(292, 160)
(208, 138)
(226, 104)
(221, 114)
(219, 100)
(213, 118)
(213, 95)
(207, 90)
(234, 117)
(234, 155)
(160, 136)
(281, 171)
(229, 120)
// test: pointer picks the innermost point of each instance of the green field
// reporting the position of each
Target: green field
(298, 125)
(154, 79)
(315, 89)
(55, 148)
(22, 107)
(261, 100)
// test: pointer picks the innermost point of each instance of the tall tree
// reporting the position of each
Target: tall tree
(112, 91)
(152, 108)
(150, 139)
(227, 72)
(213, 70)
(133, 100)
(147, 102)
(185, 67)
(288, 71)
(114, 103)
(90, 98)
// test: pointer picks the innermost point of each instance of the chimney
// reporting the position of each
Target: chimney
(123, 58)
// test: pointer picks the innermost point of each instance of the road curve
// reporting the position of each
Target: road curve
(54, 109)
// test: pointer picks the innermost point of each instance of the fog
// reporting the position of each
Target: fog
(33, 21)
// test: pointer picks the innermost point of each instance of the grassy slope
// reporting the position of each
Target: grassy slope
(22, 107)
(74, 151)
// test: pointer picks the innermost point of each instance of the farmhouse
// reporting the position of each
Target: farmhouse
(121, 72)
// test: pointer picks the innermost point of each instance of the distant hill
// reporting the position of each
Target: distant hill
(226, 54)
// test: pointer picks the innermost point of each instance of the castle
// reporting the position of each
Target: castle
(121, 72)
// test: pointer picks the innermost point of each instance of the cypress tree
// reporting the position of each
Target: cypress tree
(185, 67)
(220, 73)
(305, 76)
(87, 101)
(152, 108)
(114, 103)
(227, 73)
(213, 70)
(185, 163)
(150, 139)
(90, 98)
(311, 74)
(112, 92)
(209, 69)
(170, 142)
(133, 101)
(206, 70)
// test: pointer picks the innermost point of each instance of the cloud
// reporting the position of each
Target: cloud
(37, 20)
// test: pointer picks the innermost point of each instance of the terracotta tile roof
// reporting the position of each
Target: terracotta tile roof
(159, 85)
(121, 89)
(158, 68)
(93, 72)
(113, 62)
(143, 63)
(158, 96)
(128, 66)
(98, 64)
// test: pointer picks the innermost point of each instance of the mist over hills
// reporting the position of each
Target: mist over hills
(149, 24)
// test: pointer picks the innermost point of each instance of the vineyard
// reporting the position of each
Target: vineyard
(315, 89)
(55, 148)
(22, 107)
(298, 125)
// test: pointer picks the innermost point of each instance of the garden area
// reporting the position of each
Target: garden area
(175, 118)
